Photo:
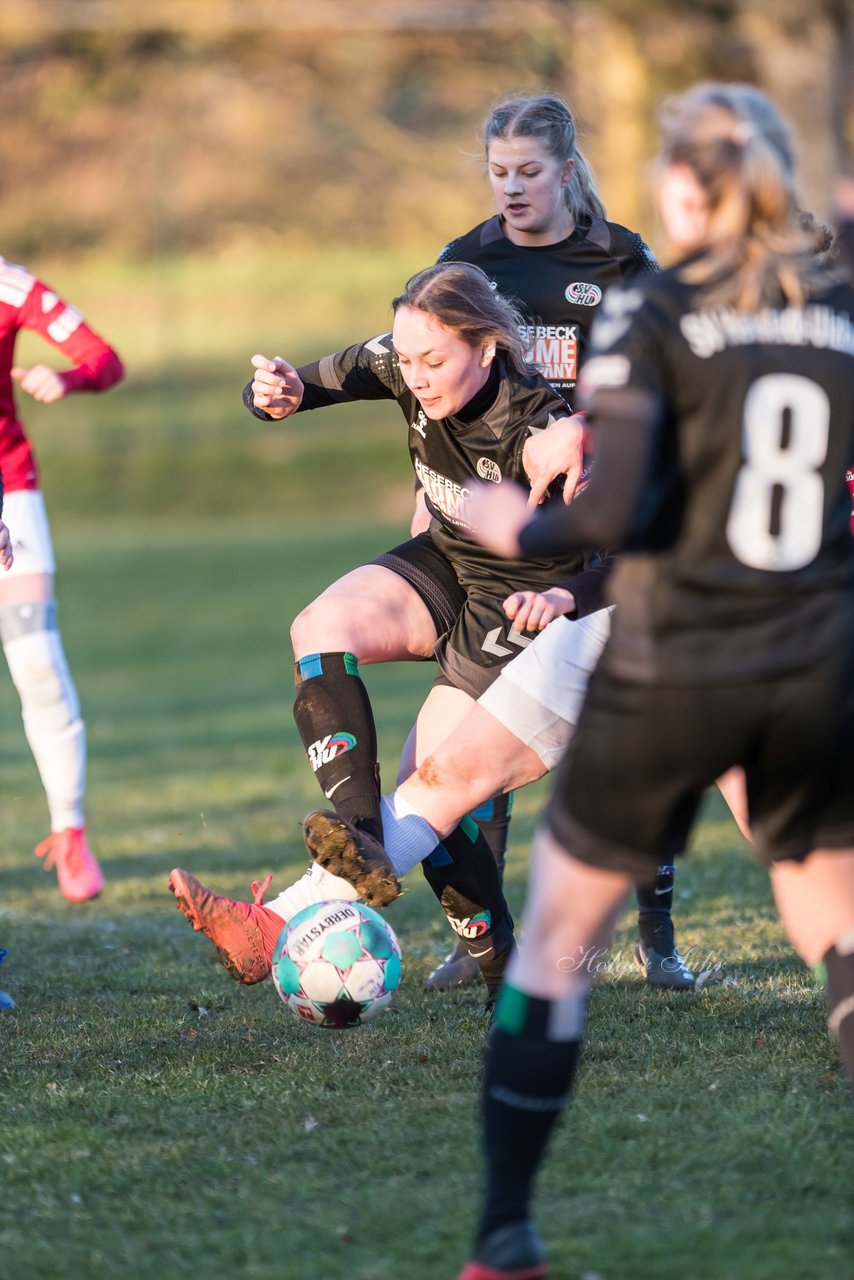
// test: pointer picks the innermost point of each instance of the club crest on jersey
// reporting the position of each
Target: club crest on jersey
(488, 470)
(326, 749)
(583, 294)
(420, 424)
(471, 926)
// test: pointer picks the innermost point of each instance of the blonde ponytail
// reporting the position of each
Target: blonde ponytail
(737, 145)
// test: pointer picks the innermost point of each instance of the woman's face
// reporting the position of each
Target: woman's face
(684, 208)
(528, 186)
(439, 368)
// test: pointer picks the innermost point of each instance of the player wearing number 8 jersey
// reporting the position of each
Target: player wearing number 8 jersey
(720, 398)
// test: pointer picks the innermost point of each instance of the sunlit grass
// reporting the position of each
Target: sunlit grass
(158, 1120)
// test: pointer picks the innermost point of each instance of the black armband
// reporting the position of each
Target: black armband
(248, 400)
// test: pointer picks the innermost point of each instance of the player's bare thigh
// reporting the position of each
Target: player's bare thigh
(516, 732)
(478, 759)
(371, 612)
(29, 588)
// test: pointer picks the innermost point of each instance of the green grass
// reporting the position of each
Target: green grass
(174, 437)
(156, 1120)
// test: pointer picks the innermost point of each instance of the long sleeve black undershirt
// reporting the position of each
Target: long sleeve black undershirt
(625, 425)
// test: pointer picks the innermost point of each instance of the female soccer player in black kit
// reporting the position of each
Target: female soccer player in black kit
(454, 362)
(720, 398)
(550, 249)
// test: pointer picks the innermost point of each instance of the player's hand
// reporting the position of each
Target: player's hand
(556, 451)
(41, 382)
(277, 387)
(534, 610)
(497, 514)
(421, 516)
(6, 556)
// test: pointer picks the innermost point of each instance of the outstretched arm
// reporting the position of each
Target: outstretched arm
(364, 371)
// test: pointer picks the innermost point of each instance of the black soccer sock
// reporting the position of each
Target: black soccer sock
(493, 818)
(462, 873)
(655, 902)
(531, 1060)
(837, 970)
(335, 721)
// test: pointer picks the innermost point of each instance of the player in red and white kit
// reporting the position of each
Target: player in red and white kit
(28, 626)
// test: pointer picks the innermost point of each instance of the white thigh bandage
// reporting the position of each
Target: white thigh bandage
(49, 706)
(538, 695)
(24, 514)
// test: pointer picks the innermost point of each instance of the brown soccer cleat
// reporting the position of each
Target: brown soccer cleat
(244, 933)
(353, 854)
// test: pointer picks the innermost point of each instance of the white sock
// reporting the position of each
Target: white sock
(51, 714)
(315, 885)
(407, 837)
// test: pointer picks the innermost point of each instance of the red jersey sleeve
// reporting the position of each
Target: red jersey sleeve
(95, 365)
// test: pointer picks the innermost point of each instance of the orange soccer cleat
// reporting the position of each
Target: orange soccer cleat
(77, 869)
(244, 933)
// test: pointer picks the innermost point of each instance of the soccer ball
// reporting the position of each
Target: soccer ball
(336, 964)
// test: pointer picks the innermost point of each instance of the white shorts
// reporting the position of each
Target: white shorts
(539, 694)
(25, 515)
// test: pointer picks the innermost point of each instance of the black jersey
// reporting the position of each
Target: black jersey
(557, 287)
(741, 564)
(449, 453)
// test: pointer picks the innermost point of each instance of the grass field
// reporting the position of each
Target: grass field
(159, 1121)
(173, 438)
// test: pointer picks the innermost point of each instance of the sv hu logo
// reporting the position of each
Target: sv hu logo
(471, 926)
(326, 749)
(583, 294)
(489, 470)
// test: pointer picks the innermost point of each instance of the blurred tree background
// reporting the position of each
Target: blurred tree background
(207, 178)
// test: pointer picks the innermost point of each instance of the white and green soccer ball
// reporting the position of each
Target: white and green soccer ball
(337, 964)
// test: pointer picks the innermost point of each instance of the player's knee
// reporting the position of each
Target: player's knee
(35, 656)
(462, 772)
(320, 627)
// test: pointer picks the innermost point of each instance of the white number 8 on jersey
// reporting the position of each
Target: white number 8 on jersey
(793, 471)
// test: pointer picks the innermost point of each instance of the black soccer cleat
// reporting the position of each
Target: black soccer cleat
(512, 1252)
(456, 971)
(660, 960)
(351, 853)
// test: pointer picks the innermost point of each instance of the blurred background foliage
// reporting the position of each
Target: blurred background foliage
(208, 178)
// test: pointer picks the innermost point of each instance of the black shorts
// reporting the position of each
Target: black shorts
(475, 636)
(627, 792)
